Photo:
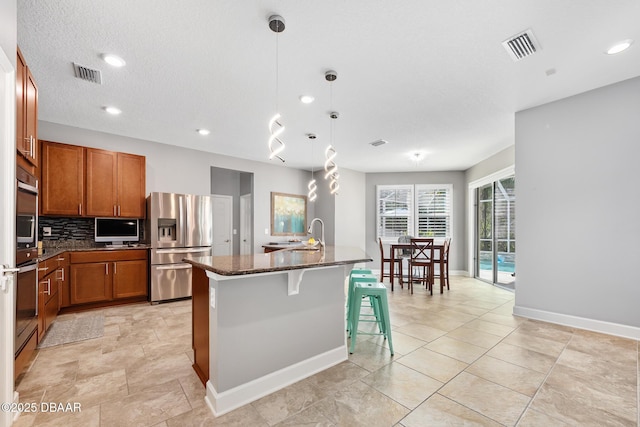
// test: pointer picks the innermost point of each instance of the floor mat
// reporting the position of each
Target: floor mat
(79, 329)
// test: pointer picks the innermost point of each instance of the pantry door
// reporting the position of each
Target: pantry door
(7, 229)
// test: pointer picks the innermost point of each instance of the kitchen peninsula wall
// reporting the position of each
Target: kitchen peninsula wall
(183, 170)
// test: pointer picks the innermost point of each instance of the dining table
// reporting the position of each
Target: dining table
(396, 247)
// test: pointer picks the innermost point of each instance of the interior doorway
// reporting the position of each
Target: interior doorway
(246, 225)
(238, 185)
(222, 225)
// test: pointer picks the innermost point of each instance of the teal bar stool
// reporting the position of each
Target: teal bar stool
(353, 272)
(356, 276)
(377, 293)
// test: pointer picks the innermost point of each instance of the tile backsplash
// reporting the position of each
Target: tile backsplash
(76, 231)
(66, 228)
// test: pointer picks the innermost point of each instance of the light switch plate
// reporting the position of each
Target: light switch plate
(46, 231)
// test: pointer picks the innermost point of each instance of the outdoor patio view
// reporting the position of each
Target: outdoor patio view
(496, 232)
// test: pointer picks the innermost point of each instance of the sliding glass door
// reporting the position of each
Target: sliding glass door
(495, 232)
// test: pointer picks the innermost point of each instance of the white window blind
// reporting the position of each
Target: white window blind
(433, 210)
(422, 210)
(395, 211)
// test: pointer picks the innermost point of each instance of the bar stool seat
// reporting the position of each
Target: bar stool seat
(358, 275)
(377, 293)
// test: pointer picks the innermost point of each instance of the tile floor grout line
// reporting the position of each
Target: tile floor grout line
(544, 381)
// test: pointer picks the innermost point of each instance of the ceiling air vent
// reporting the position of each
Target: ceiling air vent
(378, 142)
(521, 45)
(87, 74)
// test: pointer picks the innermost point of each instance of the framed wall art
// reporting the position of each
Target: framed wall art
(288, 214)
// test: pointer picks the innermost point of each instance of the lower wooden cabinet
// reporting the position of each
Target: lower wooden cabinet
(48, 295)
(90, 282)
(102, 276)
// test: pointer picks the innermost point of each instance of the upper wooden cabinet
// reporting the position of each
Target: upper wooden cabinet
(62, 183)
(26, 113)
(82, 181)
(115, 184)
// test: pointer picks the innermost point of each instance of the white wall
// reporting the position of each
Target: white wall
(8, 29)
(458, 242)
(8, 37)
(579, 210)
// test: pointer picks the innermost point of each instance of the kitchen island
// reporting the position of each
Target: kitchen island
(264, 321)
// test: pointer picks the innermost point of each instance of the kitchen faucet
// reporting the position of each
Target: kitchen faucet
(309, 230)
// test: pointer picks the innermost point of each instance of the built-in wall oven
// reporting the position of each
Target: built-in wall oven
(26, 293)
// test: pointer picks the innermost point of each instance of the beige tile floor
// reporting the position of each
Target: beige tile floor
(461, 359)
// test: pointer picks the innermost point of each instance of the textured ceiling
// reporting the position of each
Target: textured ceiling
(427, 76)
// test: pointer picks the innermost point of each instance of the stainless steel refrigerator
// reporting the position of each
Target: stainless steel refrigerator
(178, 226)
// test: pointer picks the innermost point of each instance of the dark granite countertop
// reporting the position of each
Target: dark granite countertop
(50, 252)
(286, 259)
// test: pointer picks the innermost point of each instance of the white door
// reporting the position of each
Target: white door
(246, 226)
(222, 225)
(7, 229)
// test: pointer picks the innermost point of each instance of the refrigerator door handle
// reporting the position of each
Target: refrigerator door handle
(173, 267)
(181, 216)
(182, 250)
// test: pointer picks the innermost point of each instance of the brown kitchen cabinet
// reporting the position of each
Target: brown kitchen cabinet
(115, 184)
(63, 279)
(62, 182)
(103, 276)
(48, 295)
(26, 116)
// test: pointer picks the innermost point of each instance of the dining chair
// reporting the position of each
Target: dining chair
(403, 254)
(387, 261)
(421, 259)
(444, 254)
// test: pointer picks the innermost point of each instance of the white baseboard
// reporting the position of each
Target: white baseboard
(609, 328)
(226, 401)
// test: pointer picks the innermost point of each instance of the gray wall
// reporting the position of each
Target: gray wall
(501, 160)
(180, 170)
(458, 242)
(8, 29)
(579, 208)
(351, 209)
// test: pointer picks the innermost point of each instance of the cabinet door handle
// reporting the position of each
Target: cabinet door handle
(118, 210)
(43, 268)
(33, 147)
(61, 278)
(48, 282)
(79, 208)
(115, 268)
(106, 269)
(114, 210)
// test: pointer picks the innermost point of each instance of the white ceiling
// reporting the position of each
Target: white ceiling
(427, 76)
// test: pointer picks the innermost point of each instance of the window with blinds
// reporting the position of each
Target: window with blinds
(395, 211)
(421, 210)
(433, 210)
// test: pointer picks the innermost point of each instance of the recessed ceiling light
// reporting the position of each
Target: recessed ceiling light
(112, 110)
(204, 132)
(114, 60)
(619, 47)
(306, 99)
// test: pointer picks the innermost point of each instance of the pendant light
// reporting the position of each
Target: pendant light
(276, 145)
(312, 186)
(330, 153)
